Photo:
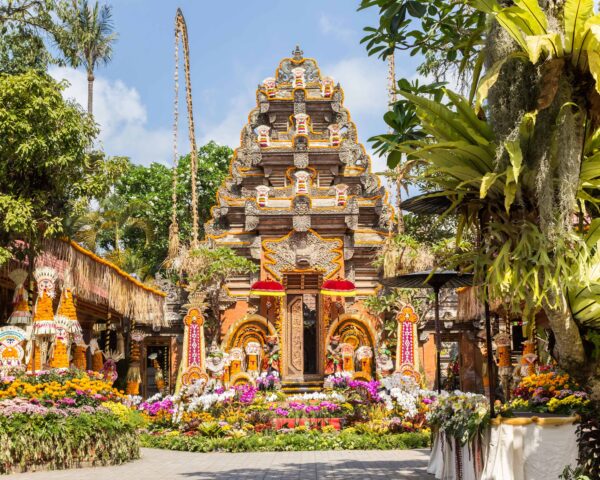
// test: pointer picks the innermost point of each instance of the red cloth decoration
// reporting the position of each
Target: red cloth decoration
(267, 288)
(338, 288)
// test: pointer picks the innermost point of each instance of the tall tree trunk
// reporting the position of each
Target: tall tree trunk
(90, 102)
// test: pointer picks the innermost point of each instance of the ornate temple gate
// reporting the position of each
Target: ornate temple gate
(303, 332)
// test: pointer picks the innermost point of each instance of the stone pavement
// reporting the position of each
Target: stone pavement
(343, 465)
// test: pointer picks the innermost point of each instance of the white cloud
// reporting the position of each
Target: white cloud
(227, 131)
(122, 116)
(364, 81)
(334, 28)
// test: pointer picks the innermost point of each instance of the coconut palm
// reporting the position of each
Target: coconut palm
(86, 37)
(102, 230)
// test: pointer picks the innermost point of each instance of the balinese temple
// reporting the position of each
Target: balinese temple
(302, 203)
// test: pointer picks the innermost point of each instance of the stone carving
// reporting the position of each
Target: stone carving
(251, 223)
(302, 250)
(285, 74)
(301, 160)
(174, 311)
(351, 221)
(369, 183)
(301, 223)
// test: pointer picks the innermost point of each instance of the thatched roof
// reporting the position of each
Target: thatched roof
(99, 281)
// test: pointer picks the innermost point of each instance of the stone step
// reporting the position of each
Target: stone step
(302, 387)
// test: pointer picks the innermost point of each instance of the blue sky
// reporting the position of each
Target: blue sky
(234, 45)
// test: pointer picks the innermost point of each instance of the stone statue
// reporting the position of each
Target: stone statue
(270, 360)
(334, 356)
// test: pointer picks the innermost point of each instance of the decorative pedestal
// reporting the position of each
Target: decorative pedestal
(532, 448)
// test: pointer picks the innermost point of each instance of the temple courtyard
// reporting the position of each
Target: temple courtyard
(347, 465)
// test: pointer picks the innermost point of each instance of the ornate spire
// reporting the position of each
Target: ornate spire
(297, 53)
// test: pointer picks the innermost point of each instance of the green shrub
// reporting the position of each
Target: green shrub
(311, 440)
(57, 442)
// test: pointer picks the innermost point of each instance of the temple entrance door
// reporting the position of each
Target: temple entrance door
(303, 349)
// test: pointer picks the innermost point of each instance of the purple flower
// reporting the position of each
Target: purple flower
(282, 412)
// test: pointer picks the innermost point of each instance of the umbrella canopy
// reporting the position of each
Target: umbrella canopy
(267, 288)
(430, 279)
(338, 288)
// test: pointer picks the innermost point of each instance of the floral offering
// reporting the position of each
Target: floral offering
(548, 392)
(460, 415)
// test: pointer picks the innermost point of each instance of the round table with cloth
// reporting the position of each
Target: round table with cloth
(534, 448)
(451, 461)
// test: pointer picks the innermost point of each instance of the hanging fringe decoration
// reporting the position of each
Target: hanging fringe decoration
(97, 356)
(134, 377)
(100, 282)
(181, 32)
(469, 305)
(173, 250)
(21, 314)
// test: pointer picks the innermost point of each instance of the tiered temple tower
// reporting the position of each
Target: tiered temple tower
(301, 201)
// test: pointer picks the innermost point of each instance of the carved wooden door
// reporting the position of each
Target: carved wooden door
(295, 340)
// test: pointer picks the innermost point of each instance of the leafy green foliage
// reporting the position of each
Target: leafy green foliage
(309, 441)
(46, 169)
(21, 49)
(58, 442)
(447, 34)
(141, 206)
(207, 270)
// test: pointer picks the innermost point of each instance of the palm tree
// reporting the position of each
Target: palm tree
(85, 37)
(101, 230)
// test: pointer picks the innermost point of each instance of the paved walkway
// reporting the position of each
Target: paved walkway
(343, 465)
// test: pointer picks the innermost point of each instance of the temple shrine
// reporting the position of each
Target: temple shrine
(302, 203)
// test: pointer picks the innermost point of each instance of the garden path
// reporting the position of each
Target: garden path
(343, 465)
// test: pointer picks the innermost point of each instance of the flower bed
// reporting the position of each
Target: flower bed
(206, 416)
(64, 419)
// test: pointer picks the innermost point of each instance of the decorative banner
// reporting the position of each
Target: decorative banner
(364, 355)
(11, 346)
(270, 86)
(406, 352)
(193, 367)
(347, 357)
(327, 87)
(21, 314)
(264, 140)
(299, 79)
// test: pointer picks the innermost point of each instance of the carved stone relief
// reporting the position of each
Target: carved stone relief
(303, 250)
(311, 73)
(301, 159)
(301, 223)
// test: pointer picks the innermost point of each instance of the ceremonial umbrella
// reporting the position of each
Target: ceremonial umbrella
(267, 288)
(436, 280)
(338, 288)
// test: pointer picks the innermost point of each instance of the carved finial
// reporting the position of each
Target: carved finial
(297, 53)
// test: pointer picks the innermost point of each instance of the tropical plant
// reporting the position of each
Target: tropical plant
(86, 36)
(522, 169)
(208, 270)
(142, 198)
(47, 172)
